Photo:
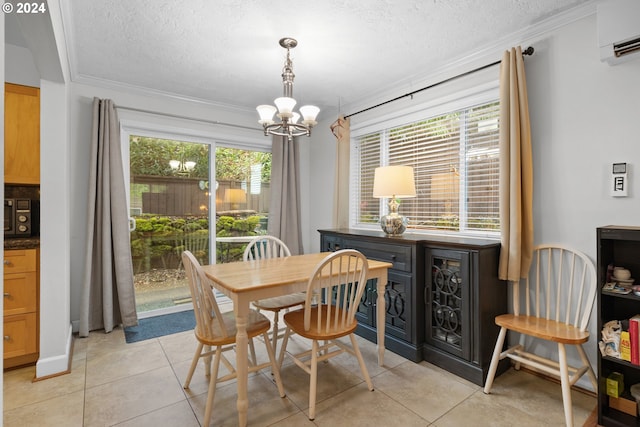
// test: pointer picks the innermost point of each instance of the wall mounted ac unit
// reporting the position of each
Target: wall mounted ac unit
(619, 30)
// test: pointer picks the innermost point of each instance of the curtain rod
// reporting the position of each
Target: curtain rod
(178, 116)
(527, 51)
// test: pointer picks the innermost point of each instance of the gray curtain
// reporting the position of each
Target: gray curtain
(341, 129)
(284, 210)
(108, 297)
(516, 170)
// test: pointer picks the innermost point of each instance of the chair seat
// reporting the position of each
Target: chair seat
(295, 321)
(256, 325)
(280, 303)
(542, 328)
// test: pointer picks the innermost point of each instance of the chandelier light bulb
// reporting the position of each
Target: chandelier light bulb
(309, 114)
(266, 113)
(285, 106)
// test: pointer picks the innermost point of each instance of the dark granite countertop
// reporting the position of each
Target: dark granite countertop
(21, 243)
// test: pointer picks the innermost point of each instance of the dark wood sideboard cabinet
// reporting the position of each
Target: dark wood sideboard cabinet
(442, 297)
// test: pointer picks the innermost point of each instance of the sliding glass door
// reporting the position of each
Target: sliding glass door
(169, 203)
(175, 205)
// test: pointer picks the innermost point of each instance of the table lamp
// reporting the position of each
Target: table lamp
(394, 182)
(235, 196)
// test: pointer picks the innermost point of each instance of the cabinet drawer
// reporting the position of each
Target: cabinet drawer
(19, 293)
(398, 255)
(19, 261)
(20, 335)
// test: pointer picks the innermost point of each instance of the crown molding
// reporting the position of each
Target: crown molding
(145, 91)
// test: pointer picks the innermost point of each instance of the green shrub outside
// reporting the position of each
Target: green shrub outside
(158, 240)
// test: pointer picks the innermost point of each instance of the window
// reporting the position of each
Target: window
(455, 157)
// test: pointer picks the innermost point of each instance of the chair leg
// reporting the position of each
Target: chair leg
(363, 367)
(194, 363)
(252, 352)
(566, 386)
(495, 359)
(585, 360)
(313, 381)
(213, 380)
(276, 328)
(275, 371)
(283, 347)
(207, 361)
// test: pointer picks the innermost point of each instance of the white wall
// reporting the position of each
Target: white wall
(55, 325)
(21, 69)
(584, 117)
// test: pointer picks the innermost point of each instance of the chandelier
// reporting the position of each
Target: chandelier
(182, 167)
(288, 125)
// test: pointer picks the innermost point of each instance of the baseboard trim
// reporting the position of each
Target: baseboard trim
(56, 365)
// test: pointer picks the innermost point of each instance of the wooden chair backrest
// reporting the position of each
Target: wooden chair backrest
(209, 320)
(561, 286)
(265, 247)
(342, 278)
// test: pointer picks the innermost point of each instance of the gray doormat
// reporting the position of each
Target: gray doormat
(158, 326)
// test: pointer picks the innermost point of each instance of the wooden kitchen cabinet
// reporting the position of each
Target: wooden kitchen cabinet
(21, 134)
(21, 303)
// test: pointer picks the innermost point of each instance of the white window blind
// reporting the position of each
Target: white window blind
(455, 161)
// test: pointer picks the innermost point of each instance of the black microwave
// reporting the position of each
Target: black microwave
(21, 218)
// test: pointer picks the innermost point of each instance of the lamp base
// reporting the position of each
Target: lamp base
(394, 224)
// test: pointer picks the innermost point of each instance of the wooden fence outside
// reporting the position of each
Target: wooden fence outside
(179, 196)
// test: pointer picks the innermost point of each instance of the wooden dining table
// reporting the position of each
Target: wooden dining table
(248, 281)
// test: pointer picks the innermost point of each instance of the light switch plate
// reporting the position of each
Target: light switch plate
(619, 180)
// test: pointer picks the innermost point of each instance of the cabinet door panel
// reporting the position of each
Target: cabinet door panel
(448, 305)
(398, 299)
(20, 335)
(367, 309)
(22, 135)
(19, 261)
(19, 293)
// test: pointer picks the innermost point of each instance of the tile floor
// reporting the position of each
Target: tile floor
(114, 383)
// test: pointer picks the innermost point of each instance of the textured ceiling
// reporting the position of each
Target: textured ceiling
(227, 52)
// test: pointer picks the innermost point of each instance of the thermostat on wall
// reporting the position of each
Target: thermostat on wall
(619, 181)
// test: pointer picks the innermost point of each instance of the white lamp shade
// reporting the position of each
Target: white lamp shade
(266, 113)
(190, 165)
(285, 105)
(309, 113)
(394, 181)
(235, 195)
(295, 118)
(175, 164)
